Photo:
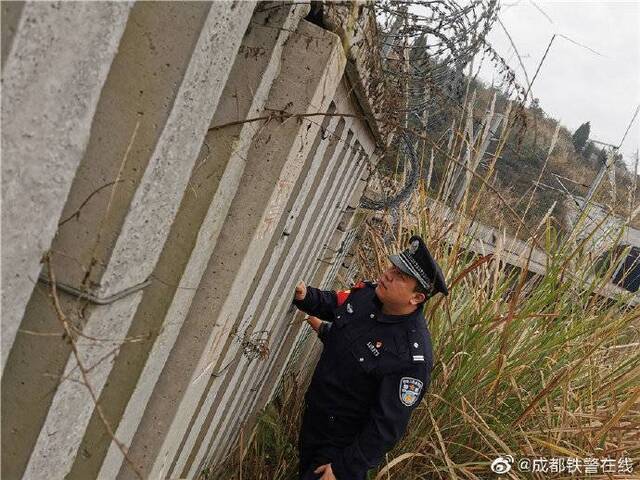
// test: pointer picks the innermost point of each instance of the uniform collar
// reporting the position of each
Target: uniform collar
(384, 318)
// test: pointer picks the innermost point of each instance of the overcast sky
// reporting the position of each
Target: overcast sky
(576, 85)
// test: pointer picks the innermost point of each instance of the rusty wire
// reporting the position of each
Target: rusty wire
(425, 46)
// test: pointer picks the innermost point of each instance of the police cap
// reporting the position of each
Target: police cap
(418, 262)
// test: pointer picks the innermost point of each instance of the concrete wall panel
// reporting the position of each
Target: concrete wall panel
(317, 168)
(355, 183)
(270, 173)
(182, 224)
(195, 230)
(127, 243)
(313, 237)
(273, 370)
(303, 240)
(242, 329)
(52, 77)
(269, 373)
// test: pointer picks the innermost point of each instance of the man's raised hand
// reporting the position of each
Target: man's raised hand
(301, 291)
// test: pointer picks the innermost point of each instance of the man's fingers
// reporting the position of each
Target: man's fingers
(315, 322)
(328, 474)
(301, 291)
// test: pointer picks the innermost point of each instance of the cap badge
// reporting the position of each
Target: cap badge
(413, 247)
(378, 344)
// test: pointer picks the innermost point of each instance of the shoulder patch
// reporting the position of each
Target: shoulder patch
(419, 346)
(410, 389)
(342, 296)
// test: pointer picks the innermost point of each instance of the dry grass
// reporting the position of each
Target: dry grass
(527, 367)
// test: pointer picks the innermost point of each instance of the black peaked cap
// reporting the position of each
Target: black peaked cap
(418, 262)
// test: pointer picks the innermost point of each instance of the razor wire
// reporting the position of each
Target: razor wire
(411, 182)
(425, 46)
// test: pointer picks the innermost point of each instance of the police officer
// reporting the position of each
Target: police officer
(374, 369)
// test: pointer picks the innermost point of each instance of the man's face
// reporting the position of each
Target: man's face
(397, 288)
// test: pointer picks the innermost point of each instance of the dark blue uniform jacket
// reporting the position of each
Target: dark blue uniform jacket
(373, 372)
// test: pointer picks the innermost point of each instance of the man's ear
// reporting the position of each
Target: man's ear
(417, 298)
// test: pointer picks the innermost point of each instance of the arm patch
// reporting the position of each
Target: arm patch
(342, 296)
(410, 389)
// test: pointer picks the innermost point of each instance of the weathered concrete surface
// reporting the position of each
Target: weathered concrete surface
(30, 380)
(323, 275)
(241, 407)
(71, 407)
(183, 80)
(332, 234)
(275, 313)
(132, 229)
(52, 76)
(356, 26)
(153, 209)
(282, 359)
(187, 241)
(212, 186)
(274, 162)
(315, 166)
(266, 376)
(241, 374)
(139, 83)
(9, 19)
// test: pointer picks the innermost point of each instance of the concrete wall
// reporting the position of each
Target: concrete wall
(177, 225)
(55, 58)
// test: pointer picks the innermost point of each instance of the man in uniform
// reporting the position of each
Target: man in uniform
(374, 369)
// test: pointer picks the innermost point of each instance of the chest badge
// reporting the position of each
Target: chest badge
(410, 389)
(374, 348)
(349, 308)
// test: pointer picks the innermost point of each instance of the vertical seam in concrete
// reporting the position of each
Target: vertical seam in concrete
(34, 185)
(267, 313)
(334, 66)
(316, 161)
(195, 267)
(137, 249)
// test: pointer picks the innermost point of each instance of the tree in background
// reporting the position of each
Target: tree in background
(535, 108)
(580, 136)
(588, 150)
(618, 161)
